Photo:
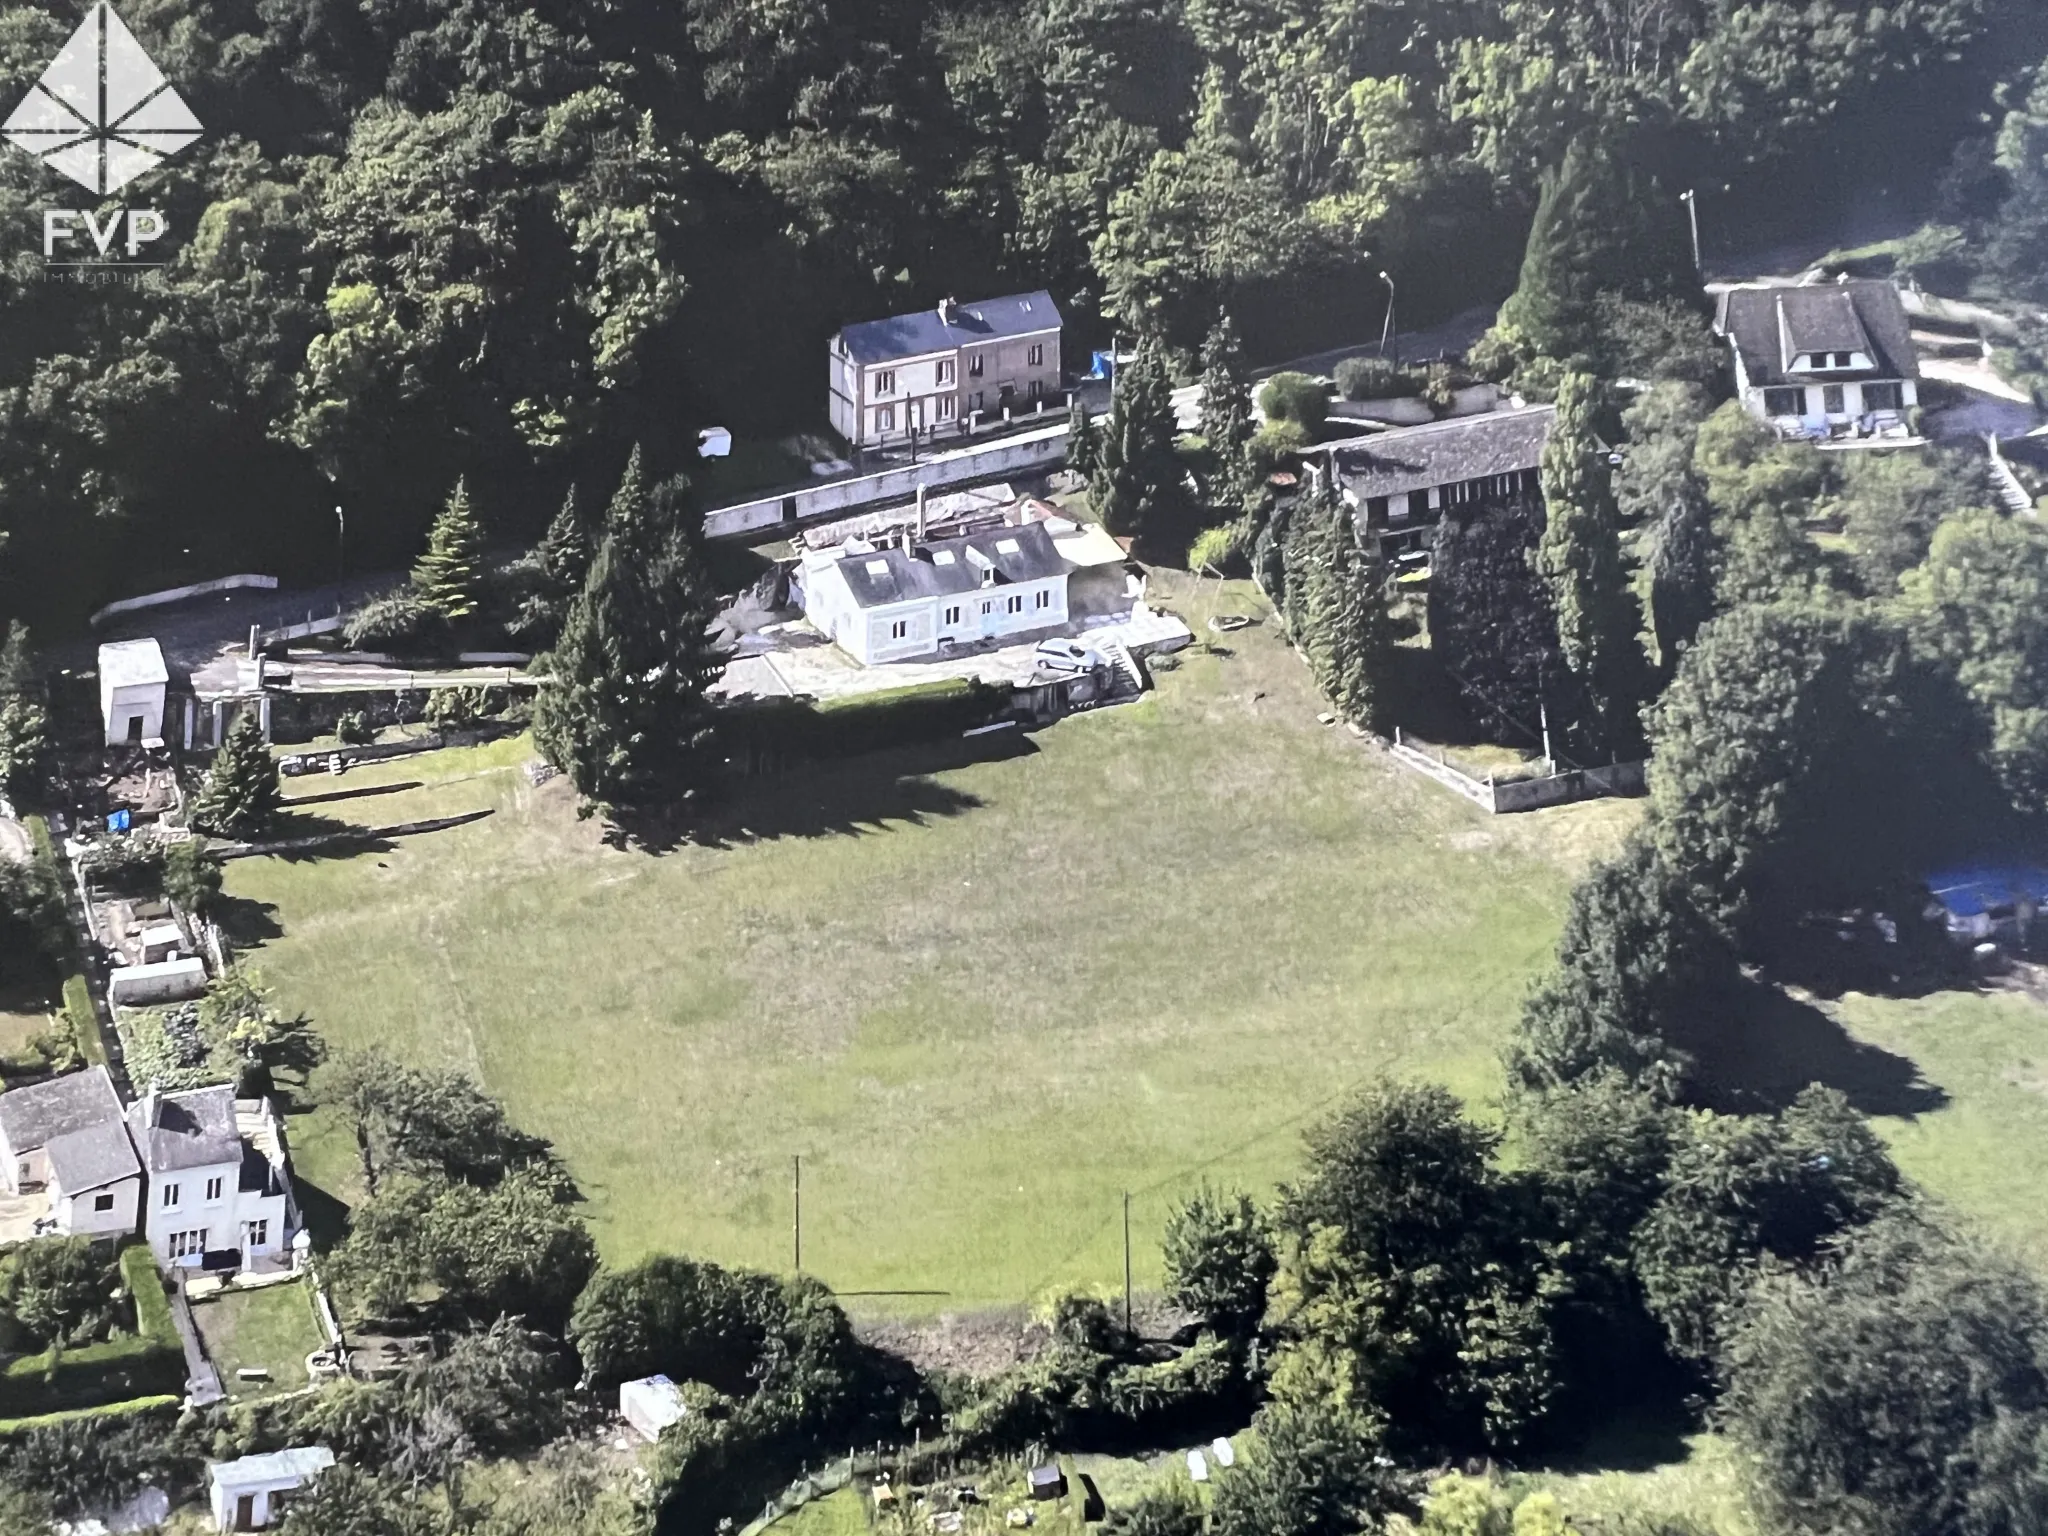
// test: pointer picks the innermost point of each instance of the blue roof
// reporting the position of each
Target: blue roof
(1969, 890)
(1016, 314)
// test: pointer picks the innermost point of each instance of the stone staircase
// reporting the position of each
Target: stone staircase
(2011, 494)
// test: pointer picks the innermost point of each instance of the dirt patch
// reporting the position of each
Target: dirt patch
(969, 1343)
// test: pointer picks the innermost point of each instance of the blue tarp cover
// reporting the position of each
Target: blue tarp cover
(1969, 890)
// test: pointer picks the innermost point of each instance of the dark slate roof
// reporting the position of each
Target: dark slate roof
(1016, 314)
(93, 1157)
(1444, 452)
(187, 1130)
(947, 566)
(1770, 326)
(37, 1115)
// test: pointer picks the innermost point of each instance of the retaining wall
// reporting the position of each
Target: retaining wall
(179, 594)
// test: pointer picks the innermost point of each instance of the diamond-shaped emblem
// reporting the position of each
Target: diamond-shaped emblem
(102, 114)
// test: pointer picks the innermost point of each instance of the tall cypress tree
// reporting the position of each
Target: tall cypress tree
(1226, 411)
(240, 798)
(1579, 559)
(448, 579)
(625, 713)
(1137, 478)
(565, 550)
(1363, 631)
(1084, 449)
(24, 720)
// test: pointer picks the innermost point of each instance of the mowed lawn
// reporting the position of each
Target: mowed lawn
(980, 998)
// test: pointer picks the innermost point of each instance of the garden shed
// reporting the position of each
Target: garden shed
(133, 682)
(250, 1494)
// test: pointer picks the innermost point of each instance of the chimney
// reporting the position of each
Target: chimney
(920, 512)
(150, 1103)
(949, 310)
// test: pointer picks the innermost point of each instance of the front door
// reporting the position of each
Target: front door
(134, 729)
(245, 1512)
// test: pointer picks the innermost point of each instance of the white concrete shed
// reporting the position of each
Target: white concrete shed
(133, 681)
(650, 1405)
(250, 1494)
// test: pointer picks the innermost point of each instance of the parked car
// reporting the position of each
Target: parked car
(1066, 656)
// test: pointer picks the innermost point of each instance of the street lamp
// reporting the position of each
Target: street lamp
(1387, 327)
(1692, 213)
(340, 546)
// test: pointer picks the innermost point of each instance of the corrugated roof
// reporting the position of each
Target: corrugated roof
(1444, 452)
(288, 1468)
(1770, 325)
(132, 664)
(38, 1114)
(913, 335)
(948, 566)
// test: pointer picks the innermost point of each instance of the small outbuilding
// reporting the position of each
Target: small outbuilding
(650, 1405)
(251, 1494)
(164, 981)
(1047, 1482)
(133, 684)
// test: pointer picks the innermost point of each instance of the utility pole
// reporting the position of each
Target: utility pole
(1692, 211)
(796, 1226)
(1543, 719)
(1127, 1261)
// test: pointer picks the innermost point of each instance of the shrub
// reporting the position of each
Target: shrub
(84, 1020)
(191, 879)
(396, 622)
(1372, 378)
(1295, 397)
(1226, 548)
(61, 1290)
(353, 729)
(1219, 1258)
(1439, 387)
(1277, 442)
(127, 866)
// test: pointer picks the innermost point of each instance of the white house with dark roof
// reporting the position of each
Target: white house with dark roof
(69, 1165)
(932, 371)
(216, 1178)
(920, 597)
(1400, 483)
(1822, 360)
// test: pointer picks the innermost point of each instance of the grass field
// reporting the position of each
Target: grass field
(272, 1329)
(981, 999)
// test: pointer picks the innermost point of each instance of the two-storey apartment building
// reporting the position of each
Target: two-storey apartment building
(935, 371)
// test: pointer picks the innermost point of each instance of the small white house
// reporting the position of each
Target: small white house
(218, 1186)
(924, 597)
(251, 1494)
(65, 1147)
(650, 1405)
(133, 682)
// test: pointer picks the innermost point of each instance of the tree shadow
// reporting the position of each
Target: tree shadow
(248, 924)
(324, 1215)
(358, 793)
(842, 797)
(1753, 1048)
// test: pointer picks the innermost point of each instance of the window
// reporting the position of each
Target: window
(899, 630)
(885, 418)
(1883, 397)
(949, 407)
(1784, 402)
(170, 1197)
(988, 608)
(1038, 355)
(953, 615)
(1037, 389)
(182, 1245)
(974, 366)
(256, 1234)
(104, 1201)
(1845, 359)
(885, 382)
(1831, 400)
(1044, 600)
(943, 371)
(213, 1189)
(977, 399)
(1016, 603)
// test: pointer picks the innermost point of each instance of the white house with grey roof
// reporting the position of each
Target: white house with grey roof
(69, 1167)
(1400, 483)
(216, 1177)
(933, 371)
(1822, 360)
(921, 597)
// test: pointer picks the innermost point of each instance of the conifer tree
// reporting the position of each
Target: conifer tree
(1363, 637)
(565, 550)
(240, 798)
(1226, 411)
(1137, 478)
(625, 713)
(1084, 450)
(448, 580)
(1579, 559)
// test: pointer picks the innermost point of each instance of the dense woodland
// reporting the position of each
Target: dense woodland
(420, 241)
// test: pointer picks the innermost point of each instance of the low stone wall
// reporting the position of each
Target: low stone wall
(178, 595)
(1506, 797)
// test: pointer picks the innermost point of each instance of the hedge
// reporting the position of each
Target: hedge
(764, 734)
(84, 1020)
(148, 1363)
(134, 1406)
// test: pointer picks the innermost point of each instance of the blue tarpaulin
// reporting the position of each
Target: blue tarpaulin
(118, 822)
(1972, 890)
(1103, 366)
